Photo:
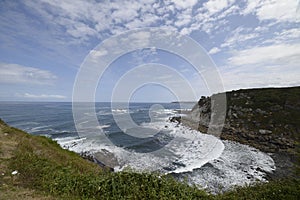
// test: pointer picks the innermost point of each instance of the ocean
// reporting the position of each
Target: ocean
(140, 136)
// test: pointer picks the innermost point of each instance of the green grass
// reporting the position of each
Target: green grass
(281, 190)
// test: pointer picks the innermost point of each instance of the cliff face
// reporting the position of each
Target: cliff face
(268, 119)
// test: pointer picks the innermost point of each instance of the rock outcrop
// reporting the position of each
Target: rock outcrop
(267, 119)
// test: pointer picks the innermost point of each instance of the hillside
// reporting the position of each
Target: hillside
(267, 119)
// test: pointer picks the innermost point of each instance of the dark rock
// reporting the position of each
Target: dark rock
(175, 119)
(179, 164)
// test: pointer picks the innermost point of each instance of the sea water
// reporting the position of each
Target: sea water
(203, 160)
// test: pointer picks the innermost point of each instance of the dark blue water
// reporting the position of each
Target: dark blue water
(40, 118)
(55, 120)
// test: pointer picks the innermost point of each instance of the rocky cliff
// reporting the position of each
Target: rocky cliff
(267, 119)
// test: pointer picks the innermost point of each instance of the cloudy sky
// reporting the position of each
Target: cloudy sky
(43, 43)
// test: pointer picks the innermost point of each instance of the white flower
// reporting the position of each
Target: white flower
(14, 172)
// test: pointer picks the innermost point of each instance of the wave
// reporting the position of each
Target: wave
(103, 126)
(70, 143)
(120, 111)
(188, 147)
(202, 159)
(104, 112)
(39, 128)
(238, 165)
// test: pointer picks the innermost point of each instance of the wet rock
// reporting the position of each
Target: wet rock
(175, 119)
(179, 164)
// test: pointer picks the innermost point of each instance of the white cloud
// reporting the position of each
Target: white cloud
(287, 35)
(84, 20)
(215, 6)
(14, 73)
(42, 96)
(183, 20)
(290, 34)
(214, 50)
(184, 4)
(98, 53)
(275, 65)
(255, 76)
(239, 36)
(283, 54)
(278, 10)
(250, 7)
(230, 10)
(211, 16)
(144, 56)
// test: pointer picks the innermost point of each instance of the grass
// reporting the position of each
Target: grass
(46, 171)
(284, 189)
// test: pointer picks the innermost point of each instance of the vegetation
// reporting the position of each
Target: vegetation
(276, 109)
(284, 189)
(35, 167)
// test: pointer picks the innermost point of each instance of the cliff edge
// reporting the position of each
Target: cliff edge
(267, 119)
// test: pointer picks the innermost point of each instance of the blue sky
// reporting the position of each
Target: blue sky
(43, 43)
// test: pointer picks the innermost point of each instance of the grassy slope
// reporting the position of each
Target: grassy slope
(46, 171)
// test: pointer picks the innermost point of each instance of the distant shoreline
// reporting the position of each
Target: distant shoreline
(191, 102)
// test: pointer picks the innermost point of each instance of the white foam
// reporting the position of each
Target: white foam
(38, 128)
(237, 166)
(104, 112)
(203, 159)
(70, 143)
(120, 111)
(188, 147)
(193, 149)
(103, 126)
(164, 111)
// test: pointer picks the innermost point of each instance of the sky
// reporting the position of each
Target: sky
(44, 44)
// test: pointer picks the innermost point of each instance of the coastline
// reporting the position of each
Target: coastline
(270, 126)
(37, 166)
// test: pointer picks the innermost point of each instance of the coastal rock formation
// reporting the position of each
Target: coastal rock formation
(267, 119)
